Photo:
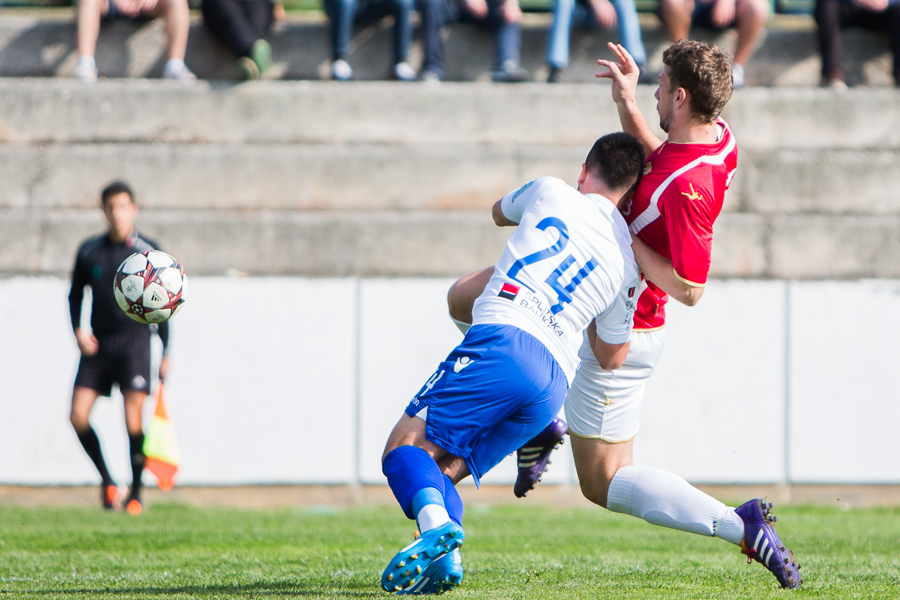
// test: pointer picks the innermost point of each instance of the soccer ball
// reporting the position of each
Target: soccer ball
(150, 286)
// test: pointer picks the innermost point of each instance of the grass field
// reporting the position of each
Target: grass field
(518, 551)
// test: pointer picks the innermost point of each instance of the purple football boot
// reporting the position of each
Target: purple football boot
(762, 544)
(534, 456)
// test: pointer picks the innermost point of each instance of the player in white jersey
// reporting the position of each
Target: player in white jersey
(568, 264)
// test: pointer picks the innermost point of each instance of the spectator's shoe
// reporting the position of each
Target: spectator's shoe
(534, 456)
(261, 55)
(509, 72)
(249, 70)
(442, 575)
(737, 76)
(176, 70)
(555, 75)
(133, 507)
(835, 83)
(404, 72)
(408, 565)
(109, 496)
(429, 77)
(341, 70)
(762, 544)
(86, 69)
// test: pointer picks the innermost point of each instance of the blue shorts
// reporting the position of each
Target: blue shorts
(496, 390)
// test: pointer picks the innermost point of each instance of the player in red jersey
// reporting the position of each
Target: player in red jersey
(671, 216)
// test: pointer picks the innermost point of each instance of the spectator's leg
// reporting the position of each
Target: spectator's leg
(89, 14)
(342, 14)
(750, 22)
(560, 33)
(229, 24)
(260, 14)
(178, 24)
(828, 19)
(630, 30)
(403, 29)
(676, 16)
(509, 36)
(435, 14)
(893, 17)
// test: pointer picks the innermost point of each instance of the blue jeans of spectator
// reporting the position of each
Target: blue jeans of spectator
(437, 13)
(344, 13)
(568, 12)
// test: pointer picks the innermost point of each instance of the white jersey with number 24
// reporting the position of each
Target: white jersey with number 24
(568, 262)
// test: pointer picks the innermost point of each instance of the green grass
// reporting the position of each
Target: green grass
(518, 551)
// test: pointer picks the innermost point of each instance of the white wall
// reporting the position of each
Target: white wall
(288, 380)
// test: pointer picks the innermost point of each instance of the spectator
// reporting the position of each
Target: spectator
(747, 16)
(604, 13)
(502, 16)
(831, 15)
(344, 13)
(91, 12)
(242, 26)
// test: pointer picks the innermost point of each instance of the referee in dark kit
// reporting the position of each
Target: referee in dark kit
(116, 349)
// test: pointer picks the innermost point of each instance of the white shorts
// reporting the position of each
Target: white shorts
(606, 405)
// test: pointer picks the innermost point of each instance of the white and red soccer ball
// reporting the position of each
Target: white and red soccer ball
(150, 286)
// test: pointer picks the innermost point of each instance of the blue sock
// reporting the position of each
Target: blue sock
(452, 502)
(410, 470)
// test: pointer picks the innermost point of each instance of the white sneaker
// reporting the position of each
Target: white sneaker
(176, 70)
(86, 69)
(341, 70)
(404, 72)
(737, 76)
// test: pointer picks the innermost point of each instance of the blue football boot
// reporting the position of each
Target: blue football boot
(442, 575)
(406, 568)
(762, 544)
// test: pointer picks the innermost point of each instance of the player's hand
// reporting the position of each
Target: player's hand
(604, 12)
(476, 8)
(164, 368)
(624, 74)
(510, 11)
(873, 5)
(278, 12)
(87, 343)
(723, 13)
(128, 8)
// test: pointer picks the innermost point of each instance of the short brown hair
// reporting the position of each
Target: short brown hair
(114, 189)
(704, 70)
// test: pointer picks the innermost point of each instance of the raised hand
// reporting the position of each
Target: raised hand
(623, 74)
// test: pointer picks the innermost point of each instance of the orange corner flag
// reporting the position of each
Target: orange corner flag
(160, 445)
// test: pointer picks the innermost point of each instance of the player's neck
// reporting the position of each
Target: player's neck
(117, 237)
(693, 133)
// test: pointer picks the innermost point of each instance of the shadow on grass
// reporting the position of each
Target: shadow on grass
(252, 589)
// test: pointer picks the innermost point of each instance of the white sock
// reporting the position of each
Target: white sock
(87, 60)
(464, 327)
(431, 516)
(665, 499)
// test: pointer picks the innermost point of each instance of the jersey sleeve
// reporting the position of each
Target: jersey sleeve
(80, 278)
(517, 202)
(615, 324)
(689, 217)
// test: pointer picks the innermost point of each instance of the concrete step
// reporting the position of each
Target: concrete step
(64, 111)
(41, 43)
(433, 244)
(354, 177)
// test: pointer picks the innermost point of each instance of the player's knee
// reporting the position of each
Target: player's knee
(595, 491)
(79, 422)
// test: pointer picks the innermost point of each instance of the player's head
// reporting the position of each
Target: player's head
(614, 164)
(696, 79)
(120, 209)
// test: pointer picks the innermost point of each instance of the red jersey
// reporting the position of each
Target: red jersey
(673, 210)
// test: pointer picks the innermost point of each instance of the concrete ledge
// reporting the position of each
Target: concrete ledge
(44, 46)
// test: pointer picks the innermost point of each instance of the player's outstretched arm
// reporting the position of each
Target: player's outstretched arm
(609, 356)
(624, 76)
(659, 270)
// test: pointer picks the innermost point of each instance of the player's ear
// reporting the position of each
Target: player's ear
(584, 173)
(681, 96)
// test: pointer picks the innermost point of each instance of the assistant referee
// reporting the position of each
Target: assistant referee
(116, 349)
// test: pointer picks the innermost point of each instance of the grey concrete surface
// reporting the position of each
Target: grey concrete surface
(62, 110)
(44, 46)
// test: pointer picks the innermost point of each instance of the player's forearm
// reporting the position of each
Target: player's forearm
(633, 122)
(659, 270)
(609, 356)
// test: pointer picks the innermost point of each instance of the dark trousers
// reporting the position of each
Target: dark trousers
(238, 23)
(437, 13)
(831, 15)
(344, 13)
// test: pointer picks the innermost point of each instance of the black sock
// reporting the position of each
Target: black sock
(91, 444)
(136, 442)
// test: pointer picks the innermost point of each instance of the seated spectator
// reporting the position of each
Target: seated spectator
(344, 13)
(747, 16)
(502, 16)
(831, 15)
(175, 12)
(593, 13)
(242, 26)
